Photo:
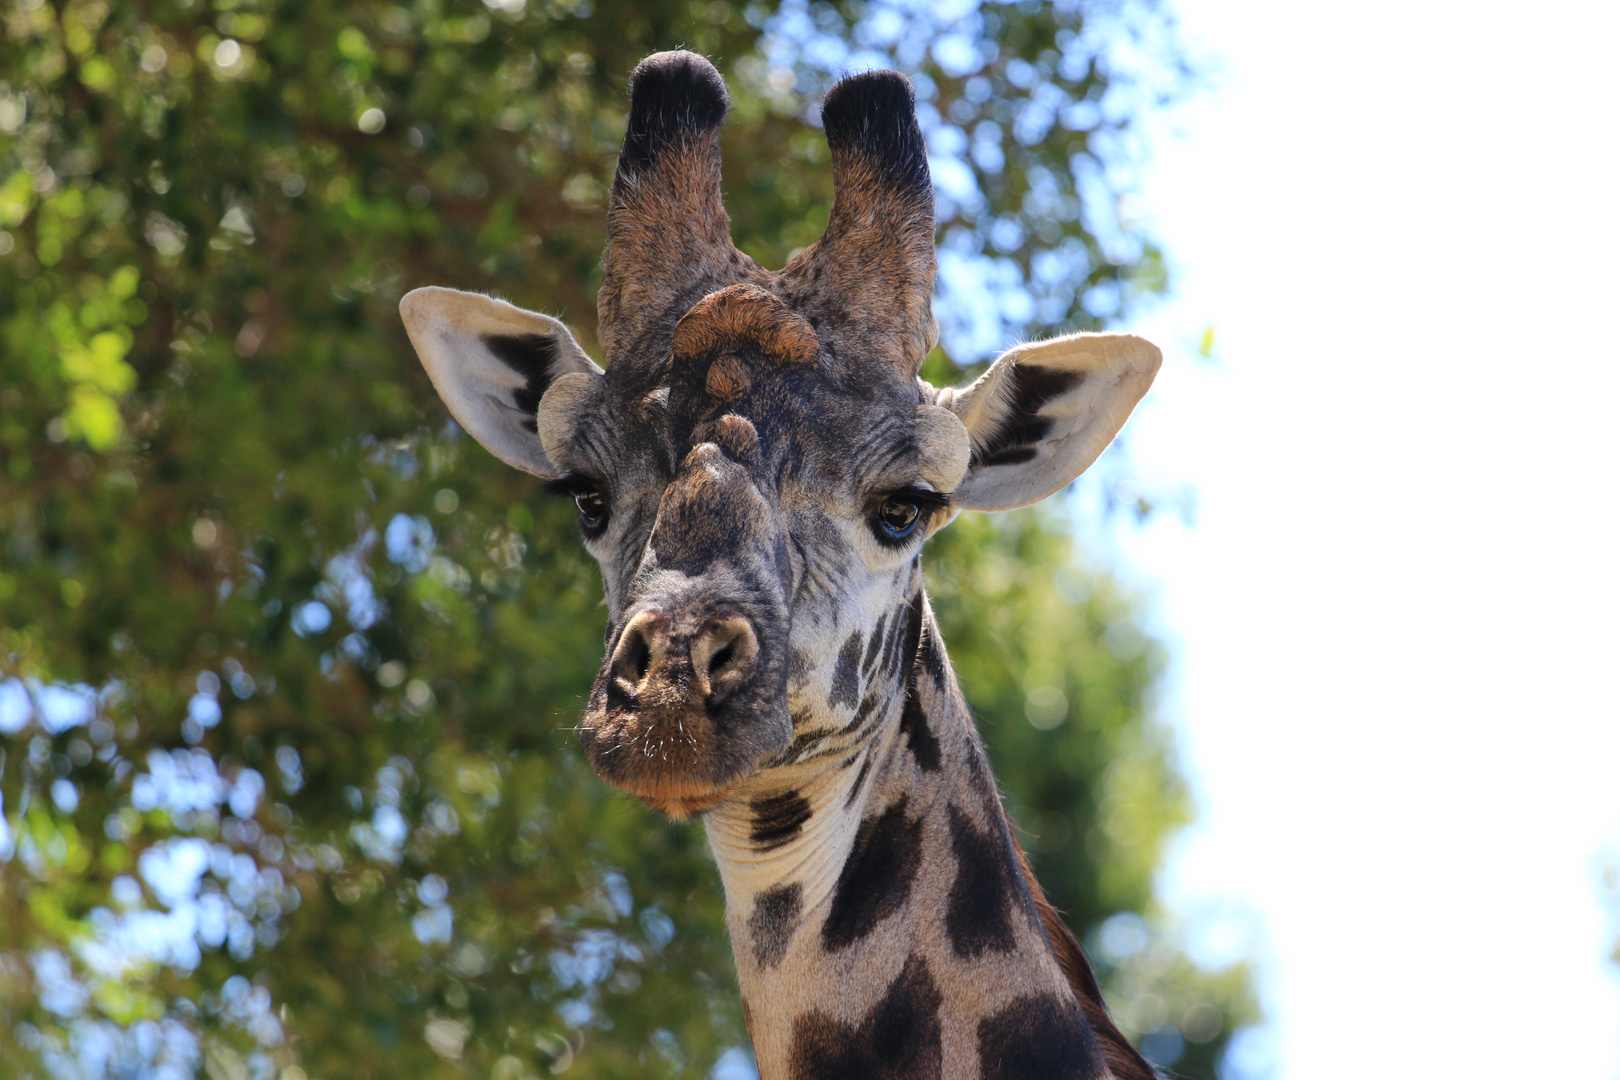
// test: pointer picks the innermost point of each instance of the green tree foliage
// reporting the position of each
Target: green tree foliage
(288, 666)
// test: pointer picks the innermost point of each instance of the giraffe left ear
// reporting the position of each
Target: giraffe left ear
(1043, 413)
(492, 363)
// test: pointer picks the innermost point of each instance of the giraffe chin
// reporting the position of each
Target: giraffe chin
(677, 759)
(689, 769)
(682, 806)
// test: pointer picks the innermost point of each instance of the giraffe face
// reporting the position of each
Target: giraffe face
(757, 512)
(758, 466)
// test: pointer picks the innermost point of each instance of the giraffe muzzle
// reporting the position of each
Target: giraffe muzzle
(685, 708)
(659, 663)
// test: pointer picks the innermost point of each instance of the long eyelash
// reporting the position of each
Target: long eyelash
(927, 500)
(571, 484)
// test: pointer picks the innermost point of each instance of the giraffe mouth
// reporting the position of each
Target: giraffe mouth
(678, 760)
(686, 706)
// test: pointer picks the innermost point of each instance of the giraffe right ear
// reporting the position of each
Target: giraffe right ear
(1043, 412)
(492, 362)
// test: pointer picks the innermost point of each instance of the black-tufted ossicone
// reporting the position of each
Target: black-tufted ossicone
(675, 97)
(871, 125)
(870, 276)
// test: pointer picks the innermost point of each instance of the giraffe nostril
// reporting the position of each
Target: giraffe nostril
(649, 665)
(634, 657)
(639, 658)
(722, 656)
(720, 659)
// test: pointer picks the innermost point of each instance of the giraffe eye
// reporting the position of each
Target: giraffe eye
(592, 509)
(898, 517)
(588, 499)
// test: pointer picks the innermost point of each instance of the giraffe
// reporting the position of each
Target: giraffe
(756, 470)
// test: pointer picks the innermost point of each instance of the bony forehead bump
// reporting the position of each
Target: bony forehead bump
(739, 315)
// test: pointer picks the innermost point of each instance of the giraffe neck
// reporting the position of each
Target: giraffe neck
(880, 911)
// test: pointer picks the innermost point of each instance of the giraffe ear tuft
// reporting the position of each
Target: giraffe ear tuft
(872, 118)
(874, 266)
(673, 96)
(492, 362)
(1044, 412)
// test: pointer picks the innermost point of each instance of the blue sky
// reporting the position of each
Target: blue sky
(1394, 612)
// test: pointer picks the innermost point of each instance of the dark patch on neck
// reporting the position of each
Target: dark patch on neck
(876, 881)
(778, 819)
(770, 926)
(913, 639)
(860, 779)
(973, 756)
(1029, 388)
(875, 646)
(897, 636)
(933, 657)
(846, 682)
(899, 1039)
(979, 914)
(533, 357)
(920, 738)
(801, 742)
(874, 697)
(1038, 1037)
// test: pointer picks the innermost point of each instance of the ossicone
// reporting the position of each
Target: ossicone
(876, 262)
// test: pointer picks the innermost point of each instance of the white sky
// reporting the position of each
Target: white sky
(1395, 617)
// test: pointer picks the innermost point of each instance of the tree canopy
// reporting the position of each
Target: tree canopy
(288, 665)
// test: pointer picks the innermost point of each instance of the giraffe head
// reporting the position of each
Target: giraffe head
(759, 464)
